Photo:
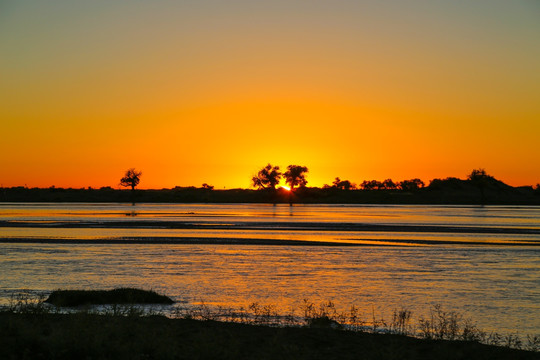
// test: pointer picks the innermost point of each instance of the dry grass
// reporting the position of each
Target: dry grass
(441, 325)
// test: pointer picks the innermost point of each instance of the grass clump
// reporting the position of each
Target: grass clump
(70, 298)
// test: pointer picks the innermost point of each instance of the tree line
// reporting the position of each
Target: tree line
(477, 188)
(269, 177)
(295, 176)
(388, 184)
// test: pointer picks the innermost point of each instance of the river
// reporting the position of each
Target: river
(483, 262)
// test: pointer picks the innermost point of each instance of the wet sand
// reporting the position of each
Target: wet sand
(294, 226)
(322, 227)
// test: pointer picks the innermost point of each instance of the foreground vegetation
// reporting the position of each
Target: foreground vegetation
(35, 330)
(91, 336)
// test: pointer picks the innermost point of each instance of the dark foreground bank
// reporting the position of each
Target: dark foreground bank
(91, 336)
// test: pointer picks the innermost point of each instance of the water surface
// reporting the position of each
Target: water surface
(483, 262)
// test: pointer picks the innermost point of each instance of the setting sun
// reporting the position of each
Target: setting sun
(285, 187)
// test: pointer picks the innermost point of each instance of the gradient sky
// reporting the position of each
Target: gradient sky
(211, 91)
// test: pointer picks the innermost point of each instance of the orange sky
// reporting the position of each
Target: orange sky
(193, 92)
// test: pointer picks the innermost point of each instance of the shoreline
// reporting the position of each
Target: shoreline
(260, 242)
(80, 335)
(266, 225)
(178, 241)
(446, 193)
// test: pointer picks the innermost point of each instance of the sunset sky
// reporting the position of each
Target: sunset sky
(211, 91)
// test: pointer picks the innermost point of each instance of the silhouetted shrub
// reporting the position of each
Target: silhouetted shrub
(410, 185)
(98, 297)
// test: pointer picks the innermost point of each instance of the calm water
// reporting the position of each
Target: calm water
(481, 261)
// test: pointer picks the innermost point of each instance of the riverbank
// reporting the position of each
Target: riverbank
(92, 336)
(439, 193)
(115, 324)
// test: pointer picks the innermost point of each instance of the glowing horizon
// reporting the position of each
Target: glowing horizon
(204, 92)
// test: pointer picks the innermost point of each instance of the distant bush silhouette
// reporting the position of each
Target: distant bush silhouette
(267, 178)
(480, 179)
(478, 175)
(371, 185)
(449, 181)
(207, 187)
(388, 184)
(343, 184)
(131, 178)
(296, 176)
(410, 185)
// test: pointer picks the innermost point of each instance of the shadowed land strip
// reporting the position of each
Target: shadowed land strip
(178, 240)
(284, 226)
(261, 242)
(79, 335)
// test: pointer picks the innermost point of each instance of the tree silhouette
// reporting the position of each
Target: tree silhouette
(388, 184)
(480, 179)
(412, 184)
(371, 185)
(268, 177)
(343, 184)
(295, 176)
(478, 175)
(131, 178)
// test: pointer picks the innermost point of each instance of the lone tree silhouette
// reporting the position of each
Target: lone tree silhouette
(295, 176)
(478, 175)
(343, 184)
(131, 178)
(267, 178)
(480, 179)
(207, 187)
